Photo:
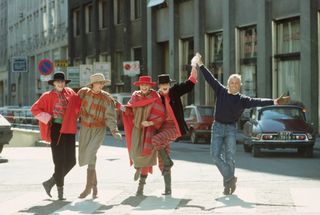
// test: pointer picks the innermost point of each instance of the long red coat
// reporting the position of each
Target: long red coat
(46, 104)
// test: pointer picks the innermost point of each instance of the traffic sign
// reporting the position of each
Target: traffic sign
(45, 67)
(61, 63)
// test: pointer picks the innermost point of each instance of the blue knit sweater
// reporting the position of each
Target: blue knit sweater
(229, 107)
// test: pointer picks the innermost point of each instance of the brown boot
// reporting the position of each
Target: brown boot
(142, 182)
(87, 190)
(94, 186)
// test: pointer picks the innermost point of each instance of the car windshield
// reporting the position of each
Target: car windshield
(206, 111)
(281, 113)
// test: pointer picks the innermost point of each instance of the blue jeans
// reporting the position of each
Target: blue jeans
(223, 149)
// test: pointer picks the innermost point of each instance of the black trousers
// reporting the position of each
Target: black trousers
(63, 153)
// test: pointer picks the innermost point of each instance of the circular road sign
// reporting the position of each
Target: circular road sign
(45, 67)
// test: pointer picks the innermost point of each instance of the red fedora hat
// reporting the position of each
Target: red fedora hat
(144, 80)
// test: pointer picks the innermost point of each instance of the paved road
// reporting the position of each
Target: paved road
(277, 183)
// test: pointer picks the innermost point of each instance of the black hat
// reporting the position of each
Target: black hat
(58, 76)
(164, 79)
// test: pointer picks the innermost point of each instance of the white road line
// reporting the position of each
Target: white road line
(306, 199)
(159, 204)
(21, 202)
(242, 201)
(86, 206)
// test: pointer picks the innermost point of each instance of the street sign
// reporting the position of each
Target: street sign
(104, 68)
(131, 68)
(19, 64)
(86, 70)
(74, 76)
(45, 67)
(61, 63)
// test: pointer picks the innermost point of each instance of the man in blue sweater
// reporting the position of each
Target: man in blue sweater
(229, 106)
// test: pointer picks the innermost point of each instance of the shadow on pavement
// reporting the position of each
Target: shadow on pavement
(49, 208)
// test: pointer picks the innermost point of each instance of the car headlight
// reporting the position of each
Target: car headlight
(257, 136)
(310, 137)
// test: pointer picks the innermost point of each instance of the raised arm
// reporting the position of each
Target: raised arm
(212, 81)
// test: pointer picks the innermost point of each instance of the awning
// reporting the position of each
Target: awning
(152, 3)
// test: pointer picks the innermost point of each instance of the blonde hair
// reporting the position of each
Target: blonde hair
(234, 76)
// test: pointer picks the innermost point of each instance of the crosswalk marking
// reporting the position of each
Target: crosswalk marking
(21, 202)
(243, 201)
(306, 199)
(159, 204)
(86, 206)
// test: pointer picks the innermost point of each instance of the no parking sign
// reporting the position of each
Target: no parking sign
(45, 67)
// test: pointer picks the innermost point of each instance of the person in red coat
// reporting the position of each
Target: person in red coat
(57, 111)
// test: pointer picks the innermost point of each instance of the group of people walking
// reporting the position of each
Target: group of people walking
(152, 120)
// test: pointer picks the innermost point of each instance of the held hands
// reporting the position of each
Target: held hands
(196, 60)
(282, 100)
(118, 136)
(123, 108)
(146, 123)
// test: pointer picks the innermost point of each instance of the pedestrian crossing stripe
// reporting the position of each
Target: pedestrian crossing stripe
(159, 204)
(306, 199)
(86, 206)
(243, 201)
(21, 202)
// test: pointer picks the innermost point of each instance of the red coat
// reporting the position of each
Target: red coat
(46, 104)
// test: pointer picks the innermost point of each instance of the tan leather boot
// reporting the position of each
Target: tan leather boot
(89, 185)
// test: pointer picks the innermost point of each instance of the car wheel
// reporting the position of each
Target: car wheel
(256, 151)
(246, 147)
(308, 152)
(193, 137)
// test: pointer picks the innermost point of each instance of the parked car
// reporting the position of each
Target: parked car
(275, 127)
(5, 132)
(123, 99)
(199, 119)
(18, 115)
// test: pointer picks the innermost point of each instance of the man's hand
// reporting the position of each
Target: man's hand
(117, 136)
(146, 123)
(282, 100)
(196, 60)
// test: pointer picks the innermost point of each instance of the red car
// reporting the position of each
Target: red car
(282, 126)
(199, 119)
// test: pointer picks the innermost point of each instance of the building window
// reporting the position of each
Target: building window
(89, 18)
(76, 23)
(136, 9)
(119, 11)
(186, 53)
(248, 60)
(215, 63)
(287, 71)
(103, 14)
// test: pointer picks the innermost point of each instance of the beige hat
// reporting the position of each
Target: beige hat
(98, 77)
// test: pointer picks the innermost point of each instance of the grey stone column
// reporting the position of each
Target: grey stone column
(151, 40)
(264, 49)
(199, 47)
(309, 59)
(229, 58)
(173, 40)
